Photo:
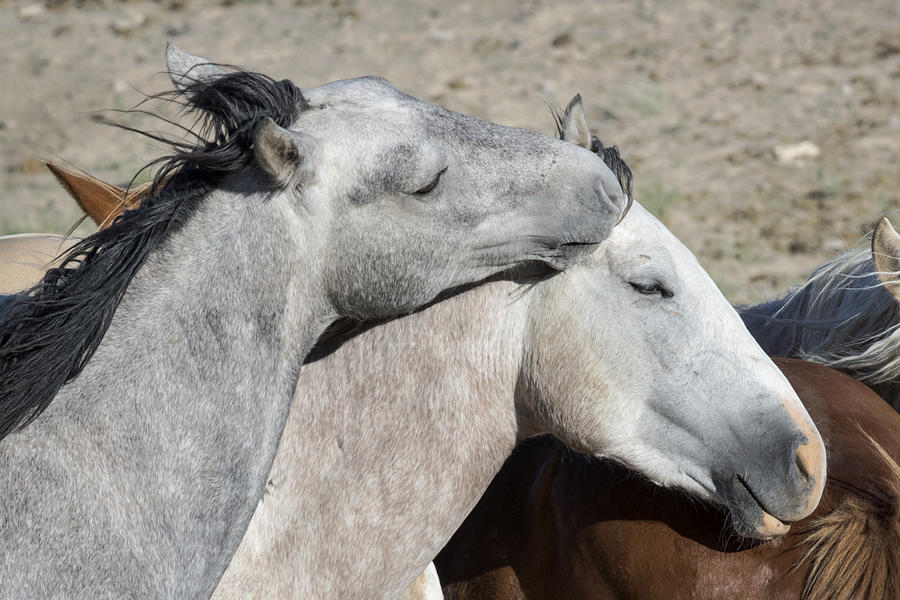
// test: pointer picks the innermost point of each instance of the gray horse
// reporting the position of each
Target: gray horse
(145, 383)
(633, 354)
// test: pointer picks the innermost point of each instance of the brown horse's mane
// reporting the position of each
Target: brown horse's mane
(854, 551)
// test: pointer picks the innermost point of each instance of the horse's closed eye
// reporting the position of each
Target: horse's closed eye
(432, 184)
(651, 288)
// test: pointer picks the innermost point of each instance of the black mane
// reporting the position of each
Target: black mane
(52, 330)
(610, 155)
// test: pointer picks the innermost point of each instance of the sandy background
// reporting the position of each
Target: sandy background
(702, 97)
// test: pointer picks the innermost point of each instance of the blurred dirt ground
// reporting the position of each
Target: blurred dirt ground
(765, 134)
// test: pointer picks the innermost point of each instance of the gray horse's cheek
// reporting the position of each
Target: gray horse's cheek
(376, 280)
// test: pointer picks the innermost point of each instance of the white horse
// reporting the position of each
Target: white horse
(396, 430)
(144, 384)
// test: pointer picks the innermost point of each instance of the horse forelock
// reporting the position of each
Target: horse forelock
(52, 330)
(854, 552)
(610, 156)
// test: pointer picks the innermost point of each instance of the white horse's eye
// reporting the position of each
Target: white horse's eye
(651, 288)
(432, 184)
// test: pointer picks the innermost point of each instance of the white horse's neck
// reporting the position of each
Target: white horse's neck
(390, 443)
(186, 396)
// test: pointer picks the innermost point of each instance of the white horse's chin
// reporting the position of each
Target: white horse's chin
(750, 521)
(664, 471)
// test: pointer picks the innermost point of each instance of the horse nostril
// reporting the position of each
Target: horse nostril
(811, 476)
(803, 459)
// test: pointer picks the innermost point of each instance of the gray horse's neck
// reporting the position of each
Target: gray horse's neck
(165, 440)
(434, 392)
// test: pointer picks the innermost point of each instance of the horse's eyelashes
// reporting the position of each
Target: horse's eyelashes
(432, 184)
(651, 288)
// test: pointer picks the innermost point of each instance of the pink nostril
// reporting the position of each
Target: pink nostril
(810, 461)
(802, 460)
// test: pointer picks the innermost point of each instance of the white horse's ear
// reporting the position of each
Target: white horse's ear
(574, 127)
(185, 69)
(278, 151)
(886, 256)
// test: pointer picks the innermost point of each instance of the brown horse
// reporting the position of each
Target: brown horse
(24, 258)
(556, 524)
(99, 200)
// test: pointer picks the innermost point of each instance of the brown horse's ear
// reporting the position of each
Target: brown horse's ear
(101, 201)
(278, 151)
(573, 126)
(886, 256)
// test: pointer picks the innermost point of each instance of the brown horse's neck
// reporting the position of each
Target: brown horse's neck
(852, 543)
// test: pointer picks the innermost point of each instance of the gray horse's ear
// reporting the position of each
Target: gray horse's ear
(185, 69)
(574, 127)
(278, 151)
(886, 256)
